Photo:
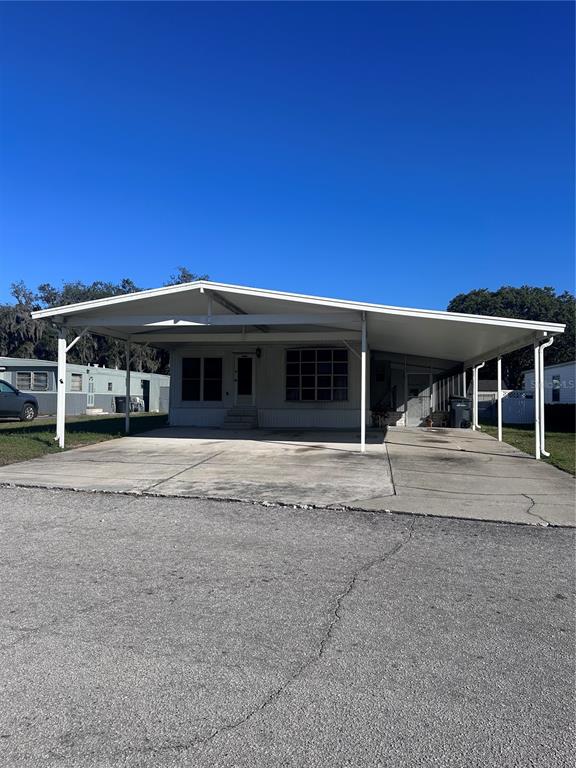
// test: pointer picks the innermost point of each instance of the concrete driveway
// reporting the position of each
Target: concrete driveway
(453, 473)
(142, 632)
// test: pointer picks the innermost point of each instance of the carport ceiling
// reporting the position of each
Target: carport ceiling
(204, 310)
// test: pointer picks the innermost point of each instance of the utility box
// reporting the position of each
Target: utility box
(460, 412)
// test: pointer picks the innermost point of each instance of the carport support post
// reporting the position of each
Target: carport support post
(61, 396)
(543, 346)
(499, 396)
(127, 403)
(363, 387)
(537, 400)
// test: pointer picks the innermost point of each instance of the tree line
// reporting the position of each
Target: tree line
(20, 336)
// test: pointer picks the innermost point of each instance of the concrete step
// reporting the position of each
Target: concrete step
(240, 420)
(241, 417)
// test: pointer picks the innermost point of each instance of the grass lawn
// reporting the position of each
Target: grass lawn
(560, 445)
(20, 440)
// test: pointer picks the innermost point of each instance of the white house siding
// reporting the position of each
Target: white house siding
(567, 374)
(270, 384)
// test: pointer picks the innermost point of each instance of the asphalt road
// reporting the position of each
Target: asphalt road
(171, 632)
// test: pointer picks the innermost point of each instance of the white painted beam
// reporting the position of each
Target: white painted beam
(76, 340)
(127, 403)
(537, 401)
(61, 394)
(499, 396)
(257, 338)
(363, 386)
(170, 321)
(543, 346)
(475, 423)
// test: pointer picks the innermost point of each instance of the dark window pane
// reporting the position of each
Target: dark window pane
(212, 389)
(292, 369)
(191, 389)
(308, 355)
(191, 367)
(340, 367)
(324, 354)
(309, 381)
(244, 376)
(309, 368)
(308, 394)
(293, 355)
(340, 394)
(340, 354)
(324, 394)
(324, 367)
(292, 394)
(293, 382)
(212, 367)
(340, 381)
(324, 381)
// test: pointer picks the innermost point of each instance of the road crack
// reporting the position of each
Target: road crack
(322, 647)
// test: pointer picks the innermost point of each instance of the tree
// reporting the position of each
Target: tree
(529, 303)
(183, 275)
(21, 336)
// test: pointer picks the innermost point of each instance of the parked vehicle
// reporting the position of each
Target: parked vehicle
(21, 405)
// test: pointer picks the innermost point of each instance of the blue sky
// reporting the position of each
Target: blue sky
(398, 153)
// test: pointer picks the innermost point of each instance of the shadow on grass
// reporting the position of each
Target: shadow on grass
(112, 425)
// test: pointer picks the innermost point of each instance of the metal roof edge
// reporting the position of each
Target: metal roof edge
(432, 314)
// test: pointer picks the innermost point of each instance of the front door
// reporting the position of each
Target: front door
(418, 405)
(90, 400)
(244, 379)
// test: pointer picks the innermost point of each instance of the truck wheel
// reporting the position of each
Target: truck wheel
(28, 413)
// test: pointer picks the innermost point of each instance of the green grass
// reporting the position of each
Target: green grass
(20, 440)
(560, 445)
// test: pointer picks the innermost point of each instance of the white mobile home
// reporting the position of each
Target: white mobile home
(559, 382)
(87, 386)
(257, 357)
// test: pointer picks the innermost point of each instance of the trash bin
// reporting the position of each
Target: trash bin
(460, 412)
(120, 404)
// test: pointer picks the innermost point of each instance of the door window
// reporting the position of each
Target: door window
(244, 376)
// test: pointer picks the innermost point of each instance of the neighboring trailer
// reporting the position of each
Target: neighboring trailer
(559, 382)
(87, 386)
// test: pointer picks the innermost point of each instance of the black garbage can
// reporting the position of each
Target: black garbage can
(120, 403)
(460, 412)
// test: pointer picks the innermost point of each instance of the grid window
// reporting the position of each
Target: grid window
(202, 378)
(76, 382)
(316, 374)
(24, 380)
(109, 386)
(40, 381)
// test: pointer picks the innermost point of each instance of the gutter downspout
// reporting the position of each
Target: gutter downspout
(475, 370)
(543, 346)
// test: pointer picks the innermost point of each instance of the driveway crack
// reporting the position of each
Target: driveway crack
(322, 647)
(531, 507)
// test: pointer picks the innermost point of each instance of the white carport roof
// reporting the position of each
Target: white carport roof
(204, 310)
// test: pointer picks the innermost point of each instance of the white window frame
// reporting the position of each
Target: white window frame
(202, 358)
(316, 375)
(75, 377)
(34, 377)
